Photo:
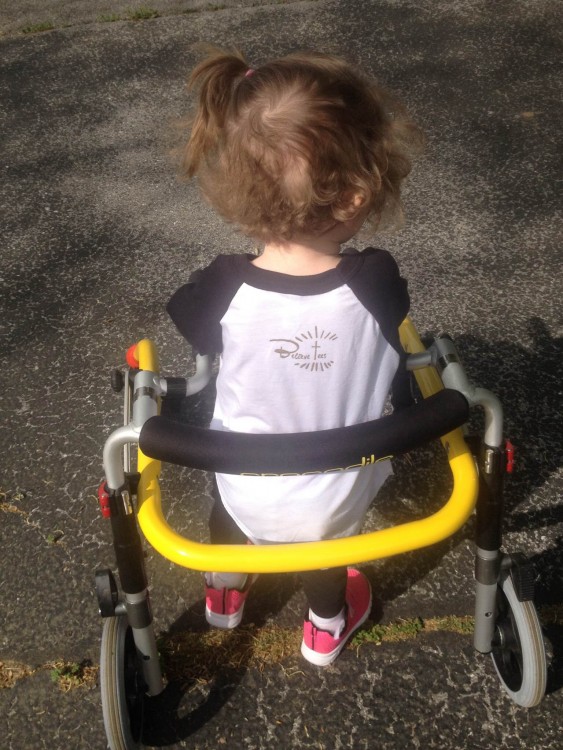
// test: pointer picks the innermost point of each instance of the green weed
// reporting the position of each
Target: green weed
(71, 675)
(36, 28)
(143, 13)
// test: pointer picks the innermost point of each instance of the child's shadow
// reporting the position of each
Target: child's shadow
(528, 382)
(204, 672)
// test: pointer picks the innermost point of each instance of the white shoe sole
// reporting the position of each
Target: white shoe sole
(224, 622)
(228, 622)
(323, 660)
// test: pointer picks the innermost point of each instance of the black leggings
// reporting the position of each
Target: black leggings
(325, 589)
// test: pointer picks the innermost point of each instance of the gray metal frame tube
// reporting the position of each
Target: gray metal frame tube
(487, 575)
(454, 376)
(145, 641)
(112, 456)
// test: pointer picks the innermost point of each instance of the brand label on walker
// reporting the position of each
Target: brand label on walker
(310, 350)
(366, 461)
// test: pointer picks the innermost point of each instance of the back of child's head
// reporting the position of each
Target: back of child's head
(297, 144)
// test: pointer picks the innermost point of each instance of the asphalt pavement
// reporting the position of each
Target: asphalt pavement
(97, 232)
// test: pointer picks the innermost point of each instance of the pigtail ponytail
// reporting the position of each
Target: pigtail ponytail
(213, 78)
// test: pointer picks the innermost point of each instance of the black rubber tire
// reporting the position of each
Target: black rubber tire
(122, 686)
(518, 648)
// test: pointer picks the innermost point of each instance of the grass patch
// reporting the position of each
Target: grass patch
(210, 7)
(190, 657)
(402, 630)
(109, 18)
(54, 537)
(11, 672)
(405, 630)
(143, 13)
(66, 675)
(72, 675)
(8, 502)
(200, 656)
(37, 28)
(451, 623)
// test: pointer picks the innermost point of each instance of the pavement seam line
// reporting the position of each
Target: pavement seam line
(248, 646)
(137, 14)
(199, 655)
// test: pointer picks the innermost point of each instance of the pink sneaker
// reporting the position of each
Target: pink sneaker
(224, 607)
(320, 647)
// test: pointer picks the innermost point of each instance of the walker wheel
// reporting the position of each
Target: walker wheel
(518, 649)
(122, 685)
(106, 592)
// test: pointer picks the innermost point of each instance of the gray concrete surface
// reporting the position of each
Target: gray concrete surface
(97, 232)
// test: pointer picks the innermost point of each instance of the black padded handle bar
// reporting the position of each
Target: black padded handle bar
(304, 452)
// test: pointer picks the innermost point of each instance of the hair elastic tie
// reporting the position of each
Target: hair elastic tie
(249, 72)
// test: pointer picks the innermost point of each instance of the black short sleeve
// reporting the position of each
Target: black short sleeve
(197, 307)
(379, 286)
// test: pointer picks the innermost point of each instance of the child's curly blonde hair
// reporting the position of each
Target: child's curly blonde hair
(297, 145)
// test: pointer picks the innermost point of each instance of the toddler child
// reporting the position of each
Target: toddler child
(297, 153)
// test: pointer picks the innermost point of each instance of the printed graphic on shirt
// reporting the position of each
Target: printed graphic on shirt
(310, 350)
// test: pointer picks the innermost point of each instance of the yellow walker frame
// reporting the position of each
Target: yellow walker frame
(279, 558)
(506, 623)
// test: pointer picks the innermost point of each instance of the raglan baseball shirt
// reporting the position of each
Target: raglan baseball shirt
(297, 354)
